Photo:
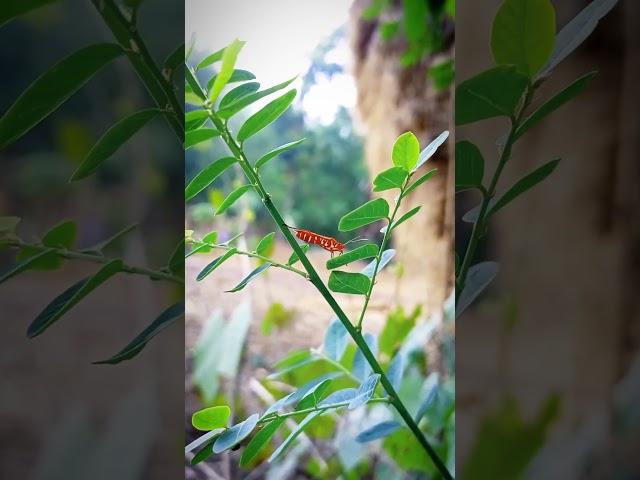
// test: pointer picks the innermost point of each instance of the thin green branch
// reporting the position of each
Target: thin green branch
(385, 239)
(357, 337)
(259, 257)
(126, 34)
(330, 406)
(97, 258)
(479, 225)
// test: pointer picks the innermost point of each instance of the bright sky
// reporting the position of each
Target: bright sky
(280, 36)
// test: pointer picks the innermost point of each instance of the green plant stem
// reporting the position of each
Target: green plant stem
(330, 406)
(488, 194)
(101, 259)
(383, 245)
(259, 257)
(252, 176)
(127, 36)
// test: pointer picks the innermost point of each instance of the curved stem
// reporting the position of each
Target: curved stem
(353, 332)
(383, 245)
(259, 257)
(101, 259)
(488, 194)
(330, 406)
(127, 36)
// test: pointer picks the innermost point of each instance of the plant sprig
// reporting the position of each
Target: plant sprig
(406, 156)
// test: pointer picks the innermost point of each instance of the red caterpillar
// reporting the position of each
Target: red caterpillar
(330, 244)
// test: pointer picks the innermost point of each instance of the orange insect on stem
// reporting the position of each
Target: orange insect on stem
(330, 244)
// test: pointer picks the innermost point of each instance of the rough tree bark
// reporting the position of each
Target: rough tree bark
(393, 100)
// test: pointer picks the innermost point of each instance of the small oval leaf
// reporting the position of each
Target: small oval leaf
(379, 430)
(365, 392)
(277, 151)
(250, 277)
(346, 282)
(431, 149)
(229, 57)
(370, 212)
(393, 177)
(335, 340)
(243, 102)
(136, 345)
(365, 251)
(419, 182)
(232, 198)
(239, 92)
(216, 263)
(204, 178)
(406, 151)
(112, 140)
(194, 137)
(469, 166)
(53, 88)
(70, 297)
(211, 418)
(235, 434)
(261, 439)
(265, 116)
(265, 244)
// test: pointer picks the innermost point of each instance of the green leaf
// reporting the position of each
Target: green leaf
(211, 418)
(469, 166)
(523, 34)
(204, 453)
(361, 368)
(243, 102)
(237, 75)
(203, 179)
(70, 297)
(396, 370)
(335, 340)
(555, 102)
(340, 396)
(265, 116)
(195, 119)
(14, 8)
(478, 278)
(112, 140)
(239, 92)
(63, 235)
(577, 30)
(175, 59)
(136, 345)
(99, 247)
(293, 435)
(393, 177)
(387, 255)
(406, 151)
(232, 198)
(370, 212)
(216, 263)
(524, 184)
(194, 86)
(250, 277)
(200, 135)
(265, 244)
(53, 88)
(442, 74)
(210, 59)
(314, 396)
(346, 282)
(365, 251)
(426, 403)
(378, 431)
(229, 58)
(260, 440)
(176, 261)
(365, 391)
(27, 263)
(207, 437)
(492, 93)
(211, 237)
(419, 182)
(403, 218)
(277, 151)
(235, 434)
(431, 149)
(294, 256)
